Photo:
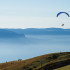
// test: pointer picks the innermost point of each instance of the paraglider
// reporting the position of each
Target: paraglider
(62, 25)
(62, 13)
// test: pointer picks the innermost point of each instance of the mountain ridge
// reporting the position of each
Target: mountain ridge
(4, 33)
(42, 31)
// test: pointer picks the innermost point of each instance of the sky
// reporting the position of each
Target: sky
(34, 13)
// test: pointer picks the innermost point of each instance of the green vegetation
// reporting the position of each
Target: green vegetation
(64, 68)
(47, 62)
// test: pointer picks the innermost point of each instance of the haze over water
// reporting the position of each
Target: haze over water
(33, 45)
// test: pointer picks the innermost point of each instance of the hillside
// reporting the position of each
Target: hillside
(47, 62)
(6, 33)
(64, 68)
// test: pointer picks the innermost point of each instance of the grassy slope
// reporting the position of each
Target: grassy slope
(35, 63)
(64, 68)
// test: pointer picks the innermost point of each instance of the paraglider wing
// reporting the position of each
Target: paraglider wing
(62, 13)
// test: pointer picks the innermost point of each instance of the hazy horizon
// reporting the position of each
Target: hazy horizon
(28, 46)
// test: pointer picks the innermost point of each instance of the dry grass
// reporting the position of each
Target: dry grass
(34, 63)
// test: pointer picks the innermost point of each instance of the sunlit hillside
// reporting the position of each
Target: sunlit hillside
(45, 62)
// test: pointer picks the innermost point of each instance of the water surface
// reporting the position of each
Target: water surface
(32, 46)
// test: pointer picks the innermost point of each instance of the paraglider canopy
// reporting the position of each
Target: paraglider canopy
(62, 13)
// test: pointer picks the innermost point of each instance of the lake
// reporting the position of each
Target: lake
(32, 46)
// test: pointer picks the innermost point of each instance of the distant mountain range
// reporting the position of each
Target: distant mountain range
(7, 33)
(42, 31)
(13, 33)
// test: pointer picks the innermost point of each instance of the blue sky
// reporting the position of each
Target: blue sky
(33, 13)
